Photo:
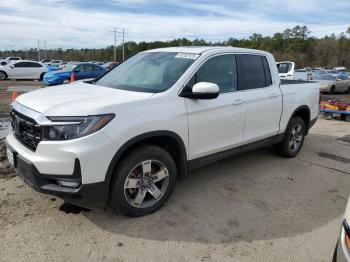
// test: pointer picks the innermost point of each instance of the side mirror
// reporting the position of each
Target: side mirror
(12, 66)
(203, 90)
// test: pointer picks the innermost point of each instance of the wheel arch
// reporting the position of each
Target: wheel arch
(4, 73)
(167, 140)
(304, 113)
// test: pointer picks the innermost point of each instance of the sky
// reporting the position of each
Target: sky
(89, 23)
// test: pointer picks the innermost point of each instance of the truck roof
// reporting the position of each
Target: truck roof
(202, 49)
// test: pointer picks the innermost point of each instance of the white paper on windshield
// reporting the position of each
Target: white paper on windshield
(187, 56)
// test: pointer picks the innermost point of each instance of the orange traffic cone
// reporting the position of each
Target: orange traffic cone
(14, 96)
(72, 77)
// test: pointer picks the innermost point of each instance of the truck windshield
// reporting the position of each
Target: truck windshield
(151, 72)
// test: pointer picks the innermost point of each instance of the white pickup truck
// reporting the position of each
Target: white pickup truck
(125, 138)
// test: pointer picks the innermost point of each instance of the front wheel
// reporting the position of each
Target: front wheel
(143, 181)
(293, 138)
(3, 75)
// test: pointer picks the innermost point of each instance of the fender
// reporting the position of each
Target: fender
(304, 107)
(181, 164)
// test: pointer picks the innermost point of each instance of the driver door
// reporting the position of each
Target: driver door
(216, 124)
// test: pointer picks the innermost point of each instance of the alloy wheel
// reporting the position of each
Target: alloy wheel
(146, 183)
(296, 137)
(2, 76)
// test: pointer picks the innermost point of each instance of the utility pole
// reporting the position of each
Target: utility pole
(38, 50)
(123, 32)
(44, 41)
(115, 43)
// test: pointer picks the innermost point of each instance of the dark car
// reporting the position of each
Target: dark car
(78, 71)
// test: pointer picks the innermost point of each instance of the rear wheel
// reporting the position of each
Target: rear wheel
(293, 138)
(3, 75)
(143, 181)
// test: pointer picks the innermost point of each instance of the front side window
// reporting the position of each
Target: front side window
(221, 70)
(151, 72)
(253, 72)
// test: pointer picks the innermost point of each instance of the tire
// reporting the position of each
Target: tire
(293, 139)
(3, 63)
(348, 91)
(3, 75)
(42, 77)
(133, 191)
(332, 90)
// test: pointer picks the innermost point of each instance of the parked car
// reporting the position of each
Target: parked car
(287, 71)
(55, 62)
(342, 248)
(61, 66)
(23, 69)
(126, 138)
(110, 65)
(331, 83)
(44, 61)
(9, 59)
(79, 70)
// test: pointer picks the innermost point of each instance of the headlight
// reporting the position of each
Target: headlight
(74, 127)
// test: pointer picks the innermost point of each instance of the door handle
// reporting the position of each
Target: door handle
(273, 95)
(238, 102)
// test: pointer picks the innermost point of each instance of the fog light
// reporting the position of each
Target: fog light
(66, 183)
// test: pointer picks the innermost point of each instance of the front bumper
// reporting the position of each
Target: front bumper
(85, 160)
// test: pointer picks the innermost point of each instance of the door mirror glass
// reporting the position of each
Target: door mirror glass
(205, 90)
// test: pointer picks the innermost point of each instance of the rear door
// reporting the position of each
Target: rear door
(263, 97)
(96, 71)
(216, 124)
(82, 71)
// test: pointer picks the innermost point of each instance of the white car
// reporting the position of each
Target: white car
(331, 83)
(126, 138)
(287, 71)
(23, 69)
(54, 62)
(9, 60)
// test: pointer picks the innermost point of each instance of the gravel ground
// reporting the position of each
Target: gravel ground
(253, 207)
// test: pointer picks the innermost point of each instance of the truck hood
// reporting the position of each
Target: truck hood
(78, 99)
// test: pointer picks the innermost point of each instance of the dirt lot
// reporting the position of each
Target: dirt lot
(253, 207)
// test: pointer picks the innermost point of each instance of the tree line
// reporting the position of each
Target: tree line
(293, 44)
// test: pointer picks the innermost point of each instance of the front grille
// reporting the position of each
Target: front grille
(25, 129)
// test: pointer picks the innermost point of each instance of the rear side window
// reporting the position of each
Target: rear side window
(254, 72)
(268, 79)
(33, 64)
